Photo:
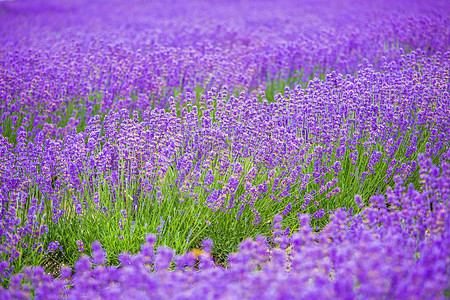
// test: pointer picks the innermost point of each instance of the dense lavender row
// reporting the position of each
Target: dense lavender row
(223, 167)
(136, 55)
(163, 124)
(395, 249)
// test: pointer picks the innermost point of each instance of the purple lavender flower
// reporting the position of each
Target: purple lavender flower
(53, 246)
(80, 246)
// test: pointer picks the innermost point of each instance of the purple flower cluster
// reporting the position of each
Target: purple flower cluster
(134, 54)
(131, 122)
(311, 151)
(80, 246)
(396, 248)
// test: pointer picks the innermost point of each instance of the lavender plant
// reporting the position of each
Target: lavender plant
(179, 127)
(388, 251)
(244, 45)
(226, 165)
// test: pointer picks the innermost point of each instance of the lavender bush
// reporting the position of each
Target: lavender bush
(395, 248)
(312, 139)
(104, 54)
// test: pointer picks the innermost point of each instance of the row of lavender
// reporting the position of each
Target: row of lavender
(223, 167)
(397, 248)
(136, 55)
(128, 123)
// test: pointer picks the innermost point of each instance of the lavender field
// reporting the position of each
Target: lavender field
(241, 149)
